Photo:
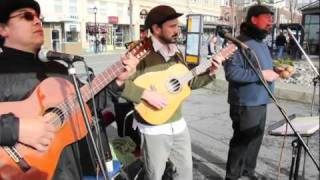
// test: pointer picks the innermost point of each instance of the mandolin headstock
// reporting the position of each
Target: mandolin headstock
(141, 48)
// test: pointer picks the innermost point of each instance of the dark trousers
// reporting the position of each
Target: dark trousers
(248, 124)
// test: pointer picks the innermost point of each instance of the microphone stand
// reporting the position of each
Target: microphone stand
(72, 72)
(315, 80)
(304, 53)
(264, 83)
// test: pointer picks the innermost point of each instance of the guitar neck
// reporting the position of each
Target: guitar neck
(195, 71)
(139, 50)
(204, 65)
(102, 80)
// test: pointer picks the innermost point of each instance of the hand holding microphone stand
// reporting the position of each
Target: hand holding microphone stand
(246, 52)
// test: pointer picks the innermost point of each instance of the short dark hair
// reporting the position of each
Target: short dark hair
(159, 25)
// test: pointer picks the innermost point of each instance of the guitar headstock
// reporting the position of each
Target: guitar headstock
(141, 48)
(225, 53)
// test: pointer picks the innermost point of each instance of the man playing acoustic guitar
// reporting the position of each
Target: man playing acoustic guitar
(170, 140)
(20, 72)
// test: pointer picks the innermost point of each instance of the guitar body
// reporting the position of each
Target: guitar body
(46, 96)
(159, 82)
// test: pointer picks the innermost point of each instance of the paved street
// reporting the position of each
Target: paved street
(206, 112)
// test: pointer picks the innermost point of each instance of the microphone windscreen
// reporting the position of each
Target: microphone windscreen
(42, 55)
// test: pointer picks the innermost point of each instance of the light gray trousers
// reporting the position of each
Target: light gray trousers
(157, 149)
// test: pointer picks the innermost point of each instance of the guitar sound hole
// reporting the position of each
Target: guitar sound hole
(57, 116)
(174, 85)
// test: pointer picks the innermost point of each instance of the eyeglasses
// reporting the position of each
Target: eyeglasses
(29, 16)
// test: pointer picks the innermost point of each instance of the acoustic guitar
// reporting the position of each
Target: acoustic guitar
(54, 97)
(173, 84)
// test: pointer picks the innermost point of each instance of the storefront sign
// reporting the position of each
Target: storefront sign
(72, 27)
(113, 19)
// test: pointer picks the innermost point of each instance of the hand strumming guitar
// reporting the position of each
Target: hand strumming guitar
(36, 132)
(155, 99)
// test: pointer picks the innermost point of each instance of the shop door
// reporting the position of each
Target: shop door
(56, 42)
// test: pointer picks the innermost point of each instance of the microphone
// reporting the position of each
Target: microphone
(45, 55)
(236, 41)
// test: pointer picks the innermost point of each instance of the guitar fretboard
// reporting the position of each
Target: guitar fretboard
(204, 65)
(102, 80)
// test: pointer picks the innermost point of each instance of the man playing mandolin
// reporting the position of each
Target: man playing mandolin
(20, 72)
(169, 140)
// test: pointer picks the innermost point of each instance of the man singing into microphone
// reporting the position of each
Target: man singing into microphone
(21, 36)
(246, 95)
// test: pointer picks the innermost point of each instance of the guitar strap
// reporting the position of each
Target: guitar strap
(179, 58)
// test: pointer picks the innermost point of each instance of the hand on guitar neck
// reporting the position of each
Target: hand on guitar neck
(130, 62)
(216, 63)
(36, 132)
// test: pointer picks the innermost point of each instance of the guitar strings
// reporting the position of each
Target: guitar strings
(63, 109)
(203, 66)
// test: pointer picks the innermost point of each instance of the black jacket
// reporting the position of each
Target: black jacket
(20, 73)
(281, 41)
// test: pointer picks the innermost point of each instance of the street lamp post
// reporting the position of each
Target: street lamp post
(131, 25)
(95, 30)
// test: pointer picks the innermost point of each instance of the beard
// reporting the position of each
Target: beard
(268, 28)
(169, 40)
(255, 32)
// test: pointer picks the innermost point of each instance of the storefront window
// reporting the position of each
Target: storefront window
(72, 35)
(311, 27)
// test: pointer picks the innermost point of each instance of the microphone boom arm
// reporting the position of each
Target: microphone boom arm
(303, 52)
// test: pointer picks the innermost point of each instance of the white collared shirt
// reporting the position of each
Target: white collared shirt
(176, 127)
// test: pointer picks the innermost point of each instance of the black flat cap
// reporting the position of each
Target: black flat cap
(9, 6)
(257, 10)
(160, 14)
